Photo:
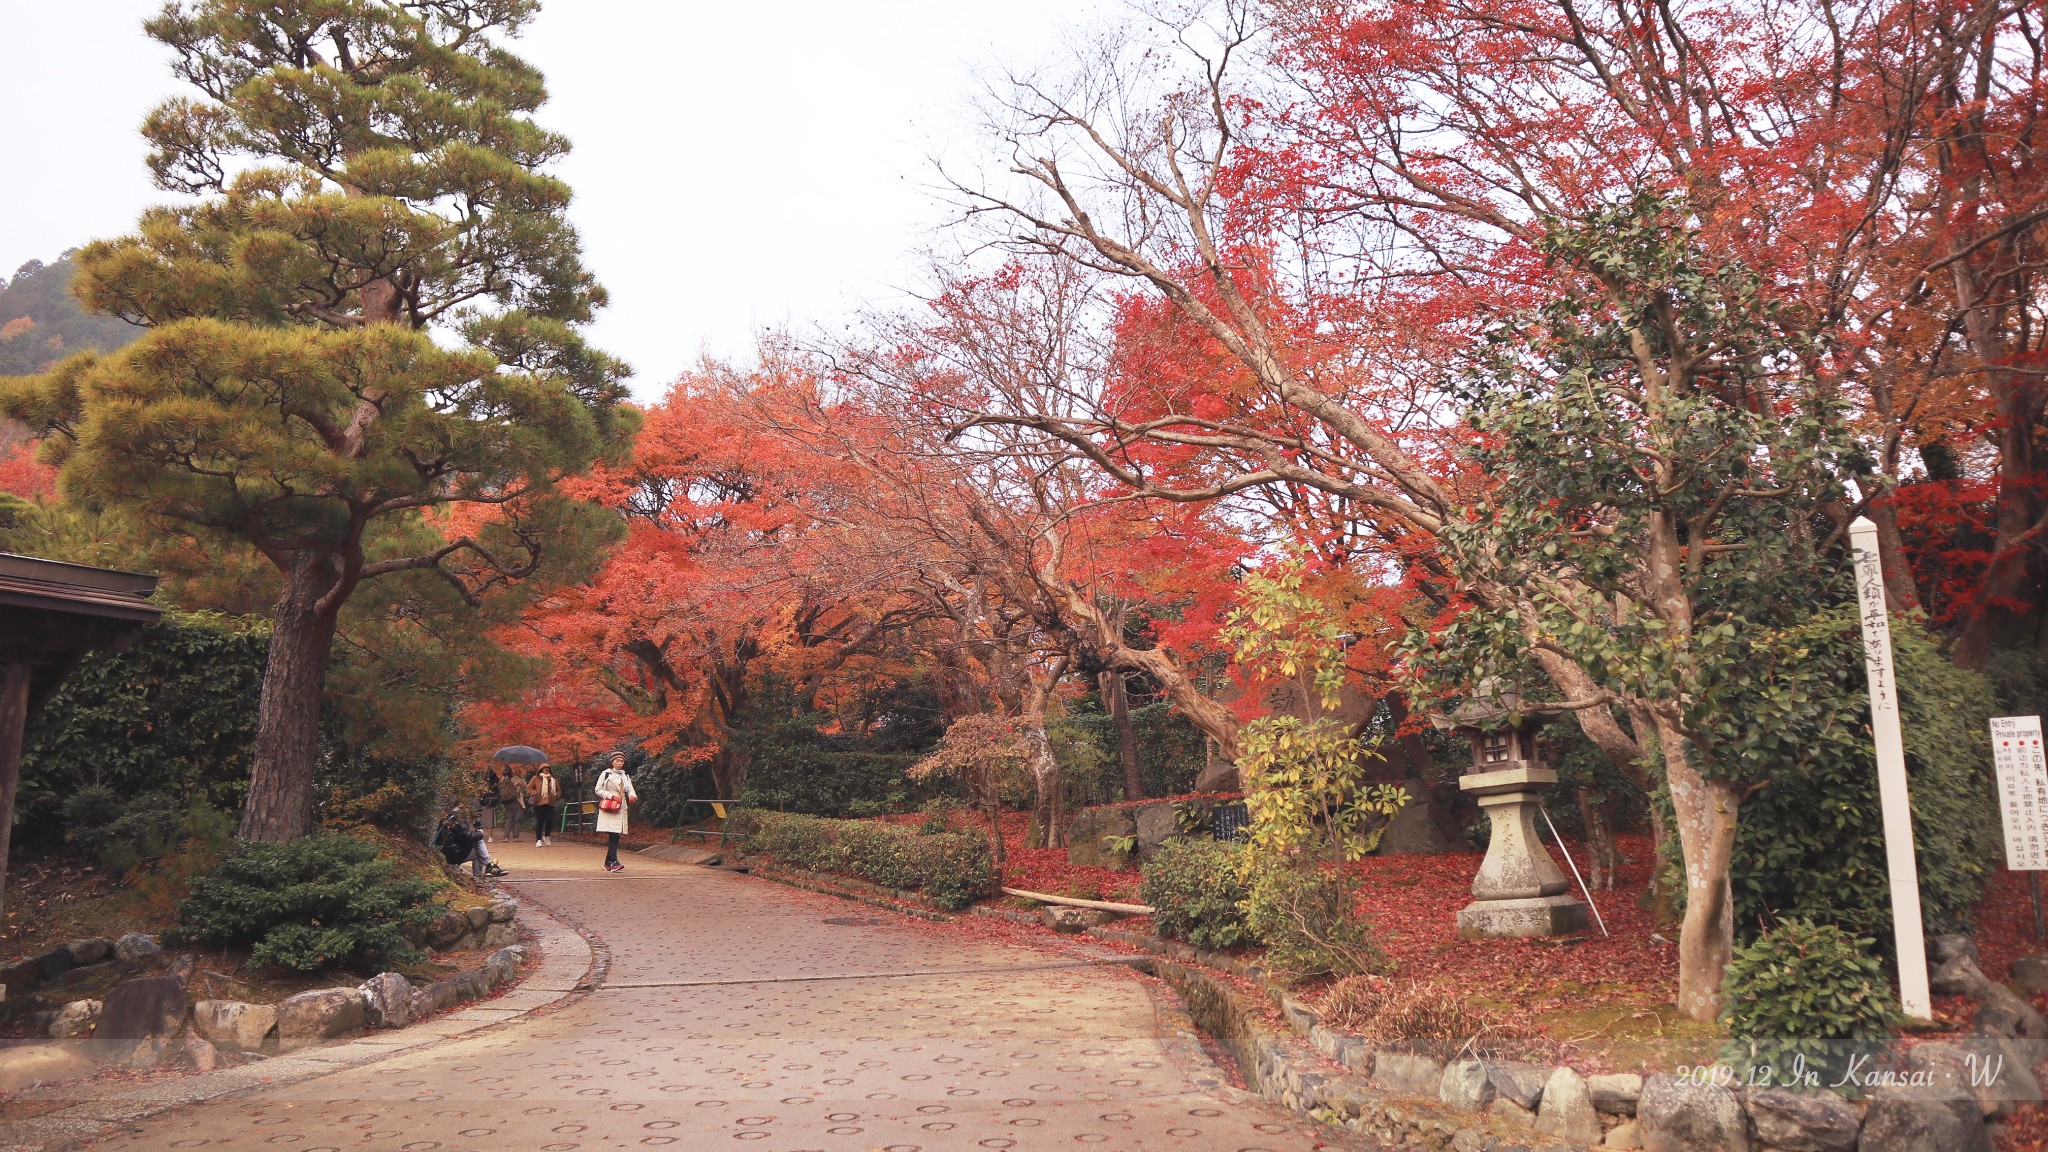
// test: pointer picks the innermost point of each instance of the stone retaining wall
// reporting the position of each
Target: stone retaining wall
(148, 1020)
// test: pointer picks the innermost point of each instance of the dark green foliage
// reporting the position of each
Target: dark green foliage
(792, 766)
(1306, 920)
(41, 323)
(317, 902)
(148, 826)
(1196, 894)
(173, 718)
(1170, 752)
(174, 715)
(1811, 844)
(951, 869)
(1804, 992)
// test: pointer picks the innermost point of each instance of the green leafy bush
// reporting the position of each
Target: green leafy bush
(1811, 845)
(314, 903)
(1804, 994)
(1306, 919)
(951, 869)
(1196, 893)
(148, 826)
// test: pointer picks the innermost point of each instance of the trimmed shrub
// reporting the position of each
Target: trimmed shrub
(1804, 994)
(1306, 919)
(1196, 892)
(314, 903)
(951, 869)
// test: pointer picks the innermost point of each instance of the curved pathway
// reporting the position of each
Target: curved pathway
(743, 1014)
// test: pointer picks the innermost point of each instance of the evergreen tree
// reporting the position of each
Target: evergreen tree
(362, 354)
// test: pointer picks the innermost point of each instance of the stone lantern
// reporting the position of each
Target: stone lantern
(1519, 890)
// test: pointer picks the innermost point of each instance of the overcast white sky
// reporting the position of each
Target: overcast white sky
(737, 165)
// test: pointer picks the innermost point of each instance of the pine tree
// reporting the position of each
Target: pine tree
(362, 354)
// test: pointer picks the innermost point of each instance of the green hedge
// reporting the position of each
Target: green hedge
(176, 715)
(951, 869)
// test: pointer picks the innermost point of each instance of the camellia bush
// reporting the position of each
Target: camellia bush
(1803, 1001)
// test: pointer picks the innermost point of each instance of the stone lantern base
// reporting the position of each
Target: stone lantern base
(1539, 916)
(1519, 890)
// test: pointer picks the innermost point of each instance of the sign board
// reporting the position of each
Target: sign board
(1900, 867)
(2022, 790)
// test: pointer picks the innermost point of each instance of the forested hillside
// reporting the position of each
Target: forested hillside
(40, 322)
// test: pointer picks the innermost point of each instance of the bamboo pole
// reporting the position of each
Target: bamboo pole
(1074, 902)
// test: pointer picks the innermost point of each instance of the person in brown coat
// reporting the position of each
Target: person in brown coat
(543, 793)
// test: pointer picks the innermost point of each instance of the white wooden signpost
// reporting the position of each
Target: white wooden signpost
(1891, 773)
(2023, 799)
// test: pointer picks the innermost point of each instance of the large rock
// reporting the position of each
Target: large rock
(1466, 1085)
(232, 1023)
(387, 1000)
(1803, 1121)
(20, 976)
(140, 1018)
(1412, 829)
(1156, 824)
(1093, 826)
(137, 948)
(1959, 976)
(2030, 975)
(1941, 949)
(1567, 1108)
(1987, 1075)
(503, 965)
(25, 1066)
(437, 997)
(504, 911)
(498, 935)
(75, 1020)
(1615, 1093)
(1678, 1117)
(322, 1014)
(479, 917)
(1519, 1082)
(54, 963)
(85, 953)
(1898, 1123)
(446, 932)
(1407, 1073)
(2006, 1016)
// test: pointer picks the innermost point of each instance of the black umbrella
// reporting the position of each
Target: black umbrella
(520, 754)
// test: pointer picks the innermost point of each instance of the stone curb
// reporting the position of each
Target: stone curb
(573, 963)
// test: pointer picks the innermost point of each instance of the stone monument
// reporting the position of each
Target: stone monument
(1519, 890)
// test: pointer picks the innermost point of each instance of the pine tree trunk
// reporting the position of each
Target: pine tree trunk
(279, 806)
(1118, 698)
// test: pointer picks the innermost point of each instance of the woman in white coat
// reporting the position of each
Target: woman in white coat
(614, 794)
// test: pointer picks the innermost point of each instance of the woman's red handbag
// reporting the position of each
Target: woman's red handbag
(608, 804)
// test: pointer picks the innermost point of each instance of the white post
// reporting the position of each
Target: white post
(1891, 773)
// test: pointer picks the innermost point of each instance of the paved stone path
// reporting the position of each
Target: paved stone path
(744, 1014)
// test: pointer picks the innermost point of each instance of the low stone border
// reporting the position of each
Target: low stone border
(569, 968)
